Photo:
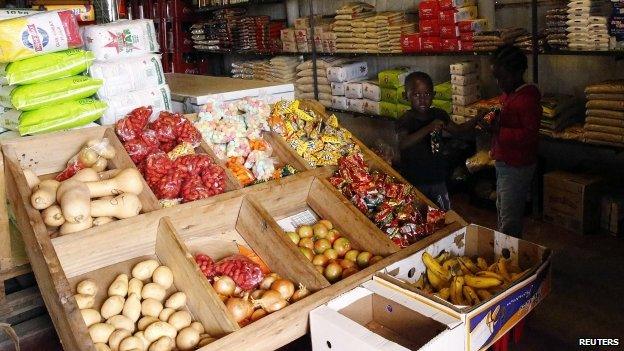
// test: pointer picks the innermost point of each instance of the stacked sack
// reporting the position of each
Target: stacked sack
(464, 83)
(491, 40)
(279, 69)
(343, 25)
(133, 74)
(394, 101)
(41, 86)
(448, 25)
(616, 24)
(342, 73)
(218, 34)
(557, 28)
(587, 25)
(304, 85)
(443, 98)
(604, 122)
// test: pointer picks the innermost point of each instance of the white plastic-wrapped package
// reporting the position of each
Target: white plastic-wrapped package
(347, 71)
(118, 106)
(128, 38)
(128, 74)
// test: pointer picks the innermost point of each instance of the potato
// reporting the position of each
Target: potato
(112, 306)
(144, 270)
(187, 339)
(131, 343)
(102, 347)
(163, 276)
(176, 300)
(145, 321)
(164, 343)
(135, 286)
(119, 286)
(198, 326)
(151, 307)
(90, 316)
(84, 301)
(121, 322)
(153, 291)
(115, 338)
(180, 320)
(132, 307)
(141, 337)
(157, 329)
(165, 314)
(87, 287)
(100, 332)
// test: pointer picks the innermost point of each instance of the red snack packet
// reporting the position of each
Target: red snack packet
(193, 164)
(170, 185)
(194, 189)
(245, 273)
(131, 126)
(157, 166)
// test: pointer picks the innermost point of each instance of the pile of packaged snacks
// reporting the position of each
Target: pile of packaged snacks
(315, 136)
(389, 203)
(164, 152)
(234, 131)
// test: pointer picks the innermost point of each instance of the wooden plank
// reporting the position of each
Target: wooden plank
(267, 239)
(34, 334)
(17, 305)
(282, 149)
(6, 258)
(285, 199)
(48, 271)
(201, 296)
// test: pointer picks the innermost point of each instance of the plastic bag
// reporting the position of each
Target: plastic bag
(129, 74)
(242, 173)
(47, 67)
(60, 117)
(159, 98)
(126, 38)
(238, 147)
(193, 189)
(9, 118)
(75, 164)
(41, 33)
(34, 96)
(245, 273)
(264, 168)
(214, 178)
(157, 166)
(133, 124)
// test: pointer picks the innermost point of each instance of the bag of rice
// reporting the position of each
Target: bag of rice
(60, 117)
(37, 34)
(34, 96)
(125, 38)
(46, 67)
(118, 106)
(130, 75)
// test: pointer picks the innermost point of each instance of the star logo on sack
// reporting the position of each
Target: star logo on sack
(121, 41)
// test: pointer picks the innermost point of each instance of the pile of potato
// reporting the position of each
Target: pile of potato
(138, 315)
(90, 197)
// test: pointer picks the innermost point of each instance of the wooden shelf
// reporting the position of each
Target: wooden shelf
(240, 4)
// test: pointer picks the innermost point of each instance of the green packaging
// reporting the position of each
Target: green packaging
(388, 109)
(61, 117)
(401, 109)
(45, 68)
(394, 78)
(389, 95)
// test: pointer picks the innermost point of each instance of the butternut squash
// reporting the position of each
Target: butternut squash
(31, 178)
(73, 196)
(111, 173)
(53, 216)
(88, 157)
(127, 181)
(44, 194)
(122, 206)
(102, 147)
(100, 165)
(102, 220)
(68, 228)
(86, 175)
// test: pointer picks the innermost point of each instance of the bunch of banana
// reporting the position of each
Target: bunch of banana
(461, 281)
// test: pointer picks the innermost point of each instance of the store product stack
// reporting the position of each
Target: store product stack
(443, 98)
(218, 34)
(41, 88)
(464, 86)
(279, 69)
(490, 40)
(394, 101)
(604, 123)
(559, 112)
(345, 23)
(304, 85)
(299, 38)
(557, 28)
(448, 25)
(258, 34)
(587, 25)
(346, 78)
(132, 72)
(616, 24)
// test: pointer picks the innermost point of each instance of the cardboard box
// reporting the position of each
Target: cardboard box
(458, 14)
(402, 96)
(466, 45)
(449, 31)
(302, 35)
(458, 119)
(355, 105)
(411, 43)
(394, 78)
(389, 95)
(463, 68)
(428, 10)
(466, 90)
(371, 90)
(429, 28)
(374, 317)
(289, 46)
(572, 201)
(464, 100)
(487, 321)
(467, 79)
(451, 4)
(475, 25)
(371, 107)
(431, 44)
(288, 34)
(466, 36)
(338, 88)
(450, 45)
(340, 102)
(353, 90)
(347, 71)
(387, 109)
(304, 47)
(612, 214)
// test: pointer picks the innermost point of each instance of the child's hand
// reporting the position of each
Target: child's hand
(435, 126)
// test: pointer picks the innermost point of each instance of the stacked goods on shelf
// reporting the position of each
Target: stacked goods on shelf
(604, 123)
(342, 74)
(556, 28)
(343, 25)
(304, 85)
(164, 152)
(587, 25)
(464, 85)
(490, 40)
(85, 14)
(132, 73)
(392, 90)
(443, 98)
(257, 34)
(279, 69)
(393, 206)
(616, 24)
(234, 130)
(217, 34)
(448, 25)
(559, 112)
(314, 135)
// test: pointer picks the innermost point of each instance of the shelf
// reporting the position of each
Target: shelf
(365, 115)
(609, 53)
(240, 4)
(352, 54)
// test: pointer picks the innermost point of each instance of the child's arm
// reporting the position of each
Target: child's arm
(407, 140)
(461, 129)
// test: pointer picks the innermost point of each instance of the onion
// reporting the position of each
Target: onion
(257, 294)
(265, 284)
(257, 314)
(240, 308)
(300, 293)
(271, 301)
(224, 285)
(238, 291)
(285, 287)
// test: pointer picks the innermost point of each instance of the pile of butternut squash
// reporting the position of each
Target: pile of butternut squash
(91, 197)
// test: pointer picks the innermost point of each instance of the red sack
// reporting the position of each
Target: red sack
(157, 166)
(245, 273)
(131, 126)
(194, 189)
(170, 185)
(193, 165)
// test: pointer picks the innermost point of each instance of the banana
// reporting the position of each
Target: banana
(436, 281)
(463, 267)
(482, 263)
(484, 294)
(449, 263)
(493, 267)
(443, 256)
(457, 296)
(444, 293)
(502, 269)
(481, 282)
(420, 283)
(470, 295)
(490, 274)
(466, 261)
(435, 266)
(427, 288)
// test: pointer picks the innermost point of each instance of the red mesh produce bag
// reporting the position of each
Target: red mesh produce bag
(131, 126)
(157, 166)
(170, 185)
(189, 133)
(245, 273)
(213, 177)
(167, 126)
(193, 164)
(194, 189)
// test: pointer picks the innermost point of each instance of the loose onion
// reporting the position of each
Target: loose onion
(224, 285)
(257, 314)
(240, 308)
(238, 292)
(271, 301)
(257, 294)
(300, 293)
(285, 287)
(266, 283)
